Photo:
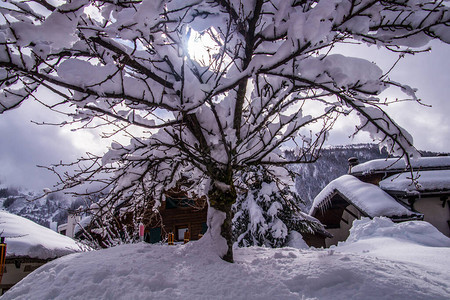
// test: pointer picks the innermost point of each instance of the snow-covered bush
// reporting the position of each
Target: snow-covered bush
(268, 211)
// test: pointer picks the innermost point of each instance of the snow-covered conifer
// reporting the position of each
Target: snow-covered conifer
(267, 211)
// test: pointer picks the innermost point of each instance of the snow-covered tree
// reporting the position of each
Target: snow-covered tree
(268, 211)
(216, 85)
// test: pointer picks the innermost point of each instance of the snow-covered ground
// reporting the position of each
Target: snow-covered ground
(381, 260)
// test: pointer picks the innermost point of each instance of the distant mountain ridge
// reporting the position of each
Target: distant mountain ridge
(48, 210)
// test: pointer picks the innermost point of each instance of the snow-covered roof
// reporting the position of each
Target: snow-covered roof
(367, 197)
(438, 180)
(26, 238)
(371, 166)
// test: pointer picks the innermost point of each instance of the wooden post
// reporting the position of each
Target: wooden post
(2, 257)
(170, 238)
(187, 236)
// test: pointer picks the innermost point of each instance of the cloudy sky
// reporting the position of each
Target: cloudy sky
(429, 73)
(25, 144)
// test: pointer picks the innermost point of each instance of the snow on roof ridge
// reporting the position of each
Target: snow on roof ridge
(367, 197)
(436, 180)
(400, 163)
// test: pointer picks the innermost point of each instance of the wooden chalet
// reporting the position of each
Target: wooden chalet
(384, 188)
(28, 246)
(177, 214)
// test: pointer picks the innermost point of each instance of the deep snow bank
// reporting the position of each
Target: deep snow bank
(416, 243)
(144, 271)
(419, 232)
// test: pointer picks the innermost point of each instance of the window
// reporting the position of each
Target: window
(180, 233)
(29, 268)
(204, 228)
(186, 202)
(153, 235)
(171, 203)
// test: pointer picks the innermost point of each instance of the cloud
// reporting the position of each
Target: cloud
(428, 72)
(25, 145)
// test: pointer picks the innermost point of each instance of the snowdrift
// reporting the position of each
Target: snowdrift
(419, 232)
(366, 267)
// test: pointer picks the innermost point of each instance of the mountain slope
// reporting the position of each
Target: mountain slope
(333, 162)
(48, 211)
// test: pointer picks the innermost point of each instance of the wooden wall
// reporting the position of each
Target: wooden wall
(187, 213)
(184, 217)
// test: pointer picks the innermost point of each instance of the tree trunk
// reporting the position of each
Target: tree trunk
(221, 202)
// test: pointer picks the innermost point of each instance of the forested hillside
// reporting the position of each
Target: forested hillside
(333, 162)
(49, 211)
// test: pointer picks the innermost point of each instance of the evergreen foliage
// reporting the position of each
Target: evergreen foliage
(268, 211)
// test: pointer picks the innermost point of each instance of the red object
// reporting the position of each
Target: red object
(141, 230)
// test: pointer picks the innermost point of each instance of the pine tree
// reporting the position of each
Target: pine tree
(268, 211)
